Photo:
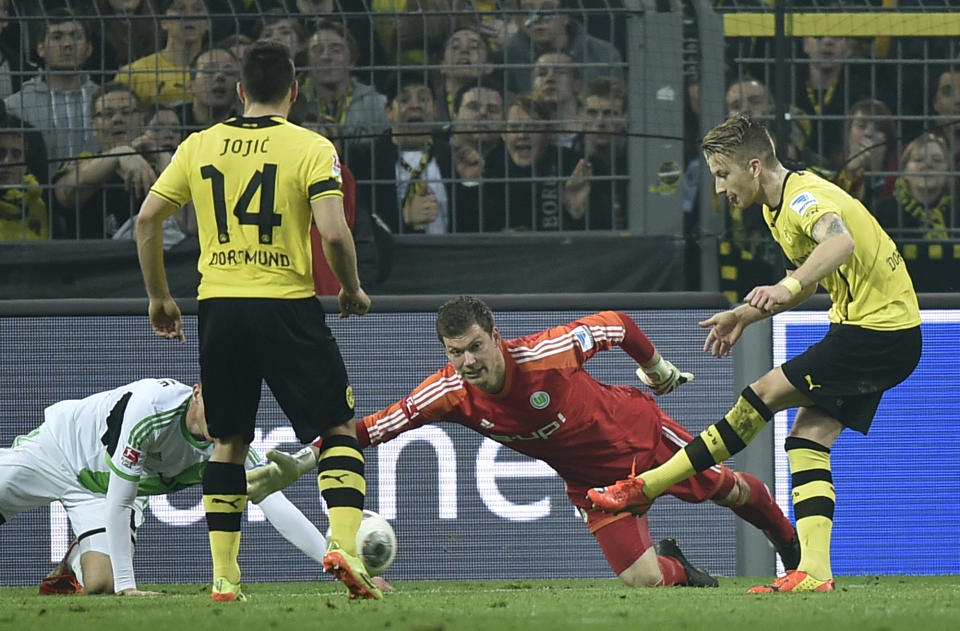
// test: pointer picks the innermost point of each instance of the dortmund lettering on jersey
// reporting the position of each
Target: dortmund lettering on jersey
(251, 181)
(872, 288)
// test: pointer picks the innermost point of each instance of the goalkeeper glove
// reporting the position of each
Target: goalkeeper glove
(663, 377)
(281, 471)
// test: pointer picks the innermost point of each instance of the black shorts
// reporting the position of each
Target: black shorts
(847, 372)
(244, 341)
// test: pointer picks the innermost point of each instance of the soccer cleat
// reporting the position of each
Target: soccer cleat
(695, 576)
(226, 592)
(63, 583)
(350, 571)
(61, 579)
(789, 552)
(624, 496)
(795, 581)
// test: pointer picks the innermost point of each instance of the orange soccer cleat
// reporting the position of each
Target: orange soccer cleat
(795, 581)
(61, 579)
(625, 496)
(350, 571)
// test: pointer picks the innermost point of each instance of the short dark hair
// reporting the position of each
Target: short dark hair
(535, 109)
(267, 71)
(195, 62)
(61, 15)
(276, 15)
(113, 86)
(399, 80)
(458, 314)
(485, 83)
(607, 87)
(338, 28)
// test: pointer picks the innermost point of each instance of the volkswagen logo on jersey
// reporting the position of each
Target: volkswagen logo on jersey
(539, 400)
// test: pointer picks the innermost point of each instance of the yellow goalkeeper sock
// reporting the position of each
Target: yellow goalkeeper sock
(343, 487)
(813, 504)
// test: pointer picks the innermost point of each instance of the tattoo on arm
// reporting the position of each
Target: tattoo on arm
(827, 226)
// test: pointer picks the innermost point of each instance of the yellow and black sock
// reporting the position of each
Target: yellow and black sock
(224, 498)
(343, 488)
(715, 444)
(813, 504)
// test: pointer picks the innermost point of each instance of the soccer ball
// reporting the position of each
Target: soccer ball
(376, 542)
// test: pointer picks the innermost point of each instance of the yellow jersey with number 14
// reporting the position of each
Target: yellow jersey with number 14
(872, 288)
(251, 181)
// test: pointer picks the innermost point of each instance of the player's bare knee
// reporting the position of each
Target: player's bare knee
(97, 586)
(738, 495)
(645, 571)
(97, 573)
(641, 578)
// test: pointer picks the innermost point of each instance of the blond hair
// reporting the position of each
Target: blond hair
(740, 138)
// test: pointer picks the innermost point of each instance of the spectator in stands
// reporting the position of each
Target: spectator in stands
(534, 195)
(828, 86)
(946, 103)
(11, 52)
(213, 87)
(236, 44)
(496, 25)
(163, 134)
(475, 135)
(870, 148)
(477, 118)
(166, 128)
(23, 213)
(604, 149)
(96, 194)
(355, 17)
(750, 96)
(57, 102)
(411, 168)
(411, 32)
(557, 84)
(466, 60)
(278, 25)
(129, 30)
(922, 202)
(164, 77)
(549, 27)
(329, 89)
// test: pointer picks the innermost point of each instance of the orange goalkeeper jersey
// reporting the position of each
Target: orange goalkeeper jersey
(550, 407)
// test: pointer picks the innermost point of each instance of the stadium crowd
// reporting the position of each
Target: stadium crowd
(453, 116)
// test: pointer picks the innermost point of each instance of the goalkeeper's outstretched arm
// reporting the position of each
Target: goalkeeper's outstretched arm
(654, 371)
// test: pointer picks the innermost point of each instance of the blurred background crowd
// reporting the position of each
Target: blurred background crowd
(458, 116)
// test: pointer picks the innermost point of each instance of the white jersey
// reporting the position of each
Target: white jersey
(136, 435)
(138, 432)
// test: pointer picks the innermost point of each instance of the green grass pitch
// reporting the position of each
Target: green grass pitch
(867, 603)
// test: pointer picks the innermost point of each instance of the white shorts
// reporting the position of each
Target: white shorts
(34, 473)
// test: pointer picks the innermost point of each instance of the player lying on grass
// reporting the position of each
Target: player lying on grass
(534, 395)
(100, 457)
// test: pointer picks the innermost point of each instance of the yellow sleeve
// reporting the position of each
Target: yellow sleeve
(173, 184)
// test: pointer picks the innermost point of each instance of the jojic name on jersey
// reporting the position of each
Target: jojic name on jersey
(244, 148)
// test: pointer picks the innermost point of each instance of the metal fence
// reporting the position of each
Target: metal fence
(862, 94)
(621, 92)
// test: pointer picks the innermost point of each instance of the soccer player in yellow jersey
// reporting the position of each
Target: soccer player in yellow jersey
(873, 343)
(256, 181)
